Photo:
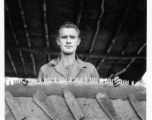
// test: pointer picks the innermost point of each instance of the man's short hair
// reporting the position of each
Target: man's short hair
(70, 25)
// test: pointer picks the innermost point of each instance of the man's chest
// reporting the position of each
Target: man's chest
(68, 74)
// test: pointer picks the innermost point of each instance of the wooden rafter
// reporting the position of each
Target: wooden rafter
(141, 48)
(11, 26)
(121, 54)
(33, 61)
(27, 36)
(21, 56)
(15, 38)
(113, 40)
(119, 27)
(133, 59)
(138, 52)
(79, 12)
(46, 27)
(125, 47)
(45, 52)
(11, 60)
(97, 29)
(24, 23)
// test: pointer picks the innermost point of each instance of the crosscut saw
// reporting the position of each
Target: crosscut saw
(78, 88)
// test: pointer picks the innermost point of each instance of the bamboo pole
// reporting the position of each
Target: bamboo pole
(97, 29)
(79, 12)
(135, 28)
(27, 35)
(113, 40)
(46, 27)
(15, 38)
(11, 60)
(133, 59)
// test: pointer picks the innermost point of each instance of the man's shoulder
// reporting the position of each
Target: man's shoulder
(89, 65)
(86, 64)
(49, 64)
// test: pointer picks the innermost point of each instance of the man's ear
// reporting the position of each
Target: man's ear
(57, 41)
(79, 41)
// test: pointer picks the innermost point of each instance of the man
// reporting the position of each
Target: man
(68, 66)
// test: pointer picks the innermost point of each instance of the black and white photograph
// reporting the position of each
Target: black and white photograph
(75, 60)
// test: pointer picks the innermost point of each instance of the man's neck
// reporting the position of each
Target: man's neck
(67, 59)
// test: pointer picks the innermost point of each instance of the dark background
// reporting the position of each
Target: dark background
(113, 34)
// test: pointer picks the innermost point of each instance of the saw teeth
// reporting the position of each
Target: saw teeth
(12, 82)
(19, 81)
(124, 82)
(109, 80)
(112, 80)
(7, 82)
(132, 83)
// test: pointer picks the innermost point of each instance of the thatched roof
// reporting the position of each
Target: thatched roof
(113, 34)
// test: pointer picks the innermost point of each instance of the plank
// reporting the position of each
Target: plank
(107, 105)
(137, 106)
(88, 90)
(73, 105)
(46, 105)
(14, 106)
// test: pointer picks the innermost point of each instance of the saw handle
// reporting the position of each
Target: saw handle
(24, 82)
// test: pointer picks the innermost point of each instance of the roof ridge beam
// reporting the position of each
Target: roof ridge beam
(44, 52)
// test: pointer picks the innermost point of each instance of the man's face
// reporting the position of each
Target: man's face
(68, 40)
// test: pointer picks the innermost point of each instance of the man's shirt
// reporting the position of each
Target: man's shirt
(54, 70)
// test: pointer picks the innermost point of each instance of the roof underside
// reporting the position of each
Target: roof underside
(113, 35)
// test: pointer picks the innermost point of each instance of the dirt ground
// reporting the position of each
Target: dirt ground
(89, 106)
